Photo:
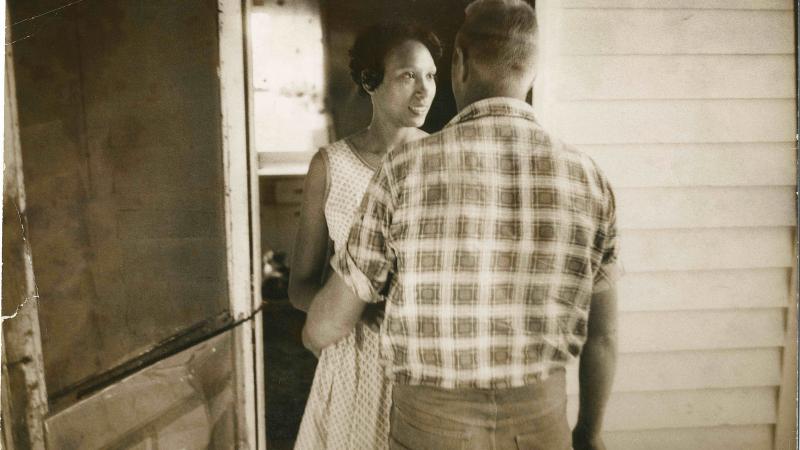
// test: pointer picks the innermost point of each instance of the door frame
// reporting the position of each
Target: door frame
(24, 403)
(242, 226)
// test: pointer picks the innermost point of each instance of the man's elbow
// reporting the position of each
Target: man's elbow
(605, 341)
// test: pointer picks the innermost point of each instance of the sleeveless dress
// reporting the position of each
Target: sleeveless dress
(350, 399)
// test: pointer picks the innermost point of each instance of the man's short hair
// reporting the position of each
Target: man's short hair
(499, 34)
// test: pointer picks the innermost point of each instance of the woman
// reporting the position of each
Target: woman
(349, 404)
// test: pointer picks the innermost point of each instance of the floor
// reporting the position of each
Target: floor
(289, 370)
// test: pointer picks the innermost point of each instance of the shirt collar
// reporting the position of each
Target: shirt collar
(494, 106)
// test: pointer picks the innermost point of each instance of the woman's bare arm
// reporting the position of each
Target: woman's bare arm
(333, 314)
(310, 254)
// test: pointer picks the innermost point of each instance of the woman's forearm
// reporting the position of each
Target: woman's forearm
(302, 293)
(332, 315)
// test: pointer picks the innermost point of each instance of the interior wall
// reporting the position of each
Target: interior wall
(119, 126)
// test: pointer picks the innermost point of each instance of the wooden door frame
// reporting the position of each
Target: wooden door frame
(241, 222)
(25, 403)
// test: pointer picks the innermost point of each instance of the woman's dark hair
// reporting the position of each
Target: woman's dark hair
(373, 44)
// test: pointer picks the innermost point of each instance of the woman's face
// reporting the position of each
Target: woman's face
(409, 84)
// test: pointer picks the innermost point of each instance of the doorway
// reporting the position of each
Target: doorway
(302, 99)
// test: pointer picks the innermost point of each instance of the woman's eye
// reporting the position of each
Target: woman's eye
(432, 76)
(409, 75)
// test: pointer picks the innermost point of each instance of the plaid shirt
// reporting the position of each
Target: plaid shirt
(486, 240)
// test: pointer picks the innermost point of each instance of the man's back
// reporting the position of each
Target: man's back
(498, 238)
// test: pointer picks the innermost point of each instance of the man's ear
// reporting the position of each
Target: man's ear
(459, 66)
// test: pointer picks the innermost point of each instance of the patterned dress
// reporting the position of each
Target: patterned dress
(350, 399)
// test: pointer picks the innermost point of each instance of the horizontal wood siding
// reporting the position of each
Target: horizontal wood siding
(676, 31)
(782, 5)
(753, 437)
(688, 409)
(676, 77)
(689, 107)
(676, 121)
(657, 371)
(709, 164)
(704, 289)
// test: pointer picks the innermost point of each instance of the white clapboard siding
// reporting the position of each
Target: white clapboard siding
(699, 330)
(706, 248)
(662, 31)
(693, 408)
(688, 106)
(666, 165)
(746, 437)
(676, 121)
(681, 4)
(644, 372)
(705, 207)
(705, 289)
(675, 77)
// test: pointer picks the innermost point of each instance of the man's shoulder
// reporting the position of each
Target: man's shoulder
(428, 142)
(577, 159)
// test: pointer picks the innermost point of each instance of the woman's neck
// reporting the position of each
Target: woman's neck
(380, 137)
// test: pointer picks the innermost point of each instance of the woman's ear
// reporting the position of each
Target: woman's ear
(368, 81)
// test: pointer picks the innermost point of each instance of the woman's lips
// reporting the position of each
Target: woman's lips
(419, 109)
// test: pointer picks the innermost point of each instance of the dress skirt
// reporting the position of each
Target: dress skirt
(350, 400)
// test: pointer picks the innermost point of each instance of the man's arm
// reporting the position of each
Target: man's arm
(596, 373)
(332, 315)
(367, 260)
(361, 270)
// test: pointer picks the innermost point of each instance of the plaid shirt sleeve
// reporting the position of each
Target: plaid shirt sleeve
(367, 260)
(609, 271)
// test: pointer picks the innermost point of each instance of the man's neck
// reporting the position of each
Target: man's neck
(478, 94)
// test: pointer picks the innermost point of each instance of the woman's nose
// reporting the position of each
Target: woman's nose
(426, 86)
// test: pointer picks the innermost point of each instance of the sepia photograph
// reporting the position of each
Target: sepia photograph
(400, 224)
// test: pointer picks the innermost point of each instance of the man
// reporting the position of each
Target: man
(495, 250)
